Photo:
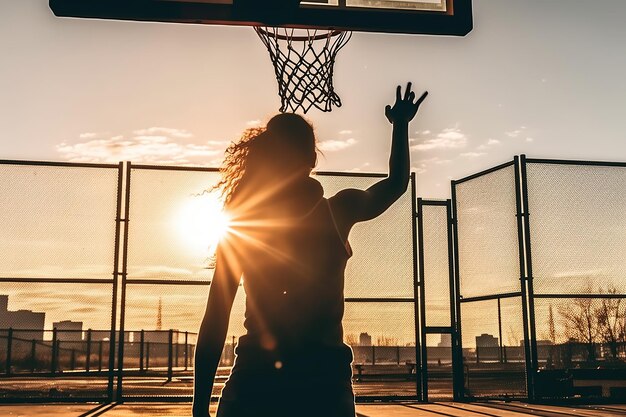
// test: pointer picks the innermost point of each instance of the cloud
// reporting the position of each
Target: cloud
(158, 131)
(490, 142)
(88, 135)
(530, 139)
(254, 123)
(333, 145)
(450, 138)
(435, 160)
(516, 132)
(473, 154)
(151, 145)
(345, 132)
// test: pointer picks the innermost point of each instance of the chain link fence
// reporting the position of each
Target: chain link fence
(540, 247)
(105, 271)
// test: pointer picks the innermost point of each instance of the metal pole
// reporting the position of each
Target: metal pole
(58, 355)
(141, 347)
(500, 329)
(9, 348)
(120, 357)
(529, 268)
(176, 356)
(170, 350)
(416, 291)
(116, 261)
(187, 350)
(422, 301)
(53, 359)
(88, 360)
(458, 368)
(522, 267)
(147, 355)
(100, 356)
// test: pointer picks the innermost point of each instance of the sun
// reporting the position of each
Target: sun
(201, 223)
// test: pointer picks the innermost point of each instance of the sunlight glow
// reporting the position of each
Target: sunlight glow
(201, 223)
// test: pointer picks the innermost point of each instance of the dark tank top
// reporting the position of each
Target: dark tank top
(293, 275)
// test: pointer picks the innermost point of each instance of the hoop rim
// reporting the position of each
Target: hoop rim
(330, 33)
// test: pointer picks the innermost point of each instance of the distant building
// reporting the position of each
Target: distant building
(365, 339)
(486, 340)
(446, 340)
(21, 319)
(68, 330)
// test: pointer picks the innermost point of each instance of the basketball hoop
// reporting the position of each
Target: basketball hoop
(304, 61)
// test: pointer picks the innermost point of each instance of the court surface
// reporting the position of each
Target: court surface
(450, 409)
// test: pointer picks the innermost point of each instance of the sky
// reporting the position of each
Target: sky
(539, 77)
(544, 78)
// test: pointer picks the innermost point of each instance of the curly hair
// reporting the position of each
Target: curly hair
(287, 134)
(234, 165)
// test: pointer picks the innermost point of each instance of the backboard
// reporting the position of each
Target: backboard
(431, 17)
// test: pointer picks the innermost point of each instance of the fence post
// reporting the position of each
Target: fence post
(147, 355)
(100, 356)
(398, 354)
(73, 360)
(521, 217)
(141, 341)
(500, 354)
(177, 352)
(33, 357)
(373, 355)
(532, 332)
(88, 360)
(170, 352)
(54, 358)
(9, 347)
(186, 350)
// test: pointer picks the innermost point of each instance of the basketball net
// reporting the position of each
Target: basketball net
(304, 61)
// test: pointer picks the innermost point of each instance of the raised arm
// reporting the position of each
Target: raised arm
(213, 328)
(352, 206)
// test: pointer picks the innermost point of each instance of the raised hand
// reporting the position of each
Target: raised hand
(404, 109)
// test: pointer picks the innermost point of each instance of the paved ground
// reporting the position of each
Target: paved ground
(446, 409)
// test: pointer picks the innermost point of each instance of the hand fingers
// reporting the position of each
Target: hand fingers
(398, 93)
(408, 91)
(388, 113)
(422, 98)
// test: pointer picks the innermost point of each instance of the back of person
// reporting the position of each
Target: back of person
(289, 245)
(294, 282)
(293, 262)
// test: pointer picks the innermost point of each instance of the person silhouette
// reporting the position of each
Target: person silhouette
(290, 244)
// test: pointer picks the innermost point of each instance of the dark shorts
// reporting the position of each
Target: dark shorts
(299, 384)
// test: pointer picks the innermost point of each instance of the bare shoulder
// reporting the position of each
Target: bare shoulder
(347, 206)
(346, 198)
